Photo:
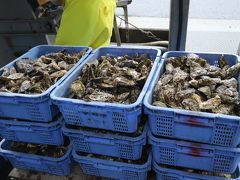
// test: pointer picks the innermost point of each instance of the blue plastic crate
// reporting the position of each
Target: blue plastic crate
(173, 174)
(33, 132)
(109, 116)
(58, 166)
(217, 129)
(35, 107)
(113, 169)
(107, 144)
(194, 155)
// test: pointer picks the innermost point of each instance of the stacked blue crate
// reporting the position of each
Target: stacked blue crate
(220, 132)
(166, 173)
(37, 107)
(35, 119)
(57, 166)
(117, 118)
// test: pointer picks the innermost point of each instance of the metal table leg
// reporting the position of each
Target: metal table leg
(125, 9)
(178, 24)
(116, 30)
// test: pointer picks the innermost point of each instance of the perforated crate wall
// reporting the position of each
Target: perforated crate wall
(222, 163)
(133, 175)
(34, 111)
(71, 115)
(126, 151)
(166, 177)
(80, 144)
(89, 169)
(55, 169)
(164, 125)
(224, 134)
(119, 121)
(167, 155)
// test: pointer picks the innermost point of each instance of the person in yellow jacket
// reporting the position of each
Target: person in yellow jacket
(86, 23)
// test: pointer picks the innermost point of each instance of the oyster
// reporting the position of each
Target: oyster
(101, 96)
(127, 63)
(179, 75)
(159, 103)
(231, 71)
(189, 82)
(6, 72)
(206, 90)
(166, 78)
(213, 71)
(41, 150)
(132, 73)
(63, 65)
(228, 95)
(169, 68)
(122, 81)
(204, 81)
(222, 62)
(190, 104)
(180, 95)
(36, 76)
(134, 93)
(25, 86)
(77, 88)
(24, 66)
(197, 70)
(113, 79)
(57, 75)
(224, 109)
(211, 103)
(230, 83)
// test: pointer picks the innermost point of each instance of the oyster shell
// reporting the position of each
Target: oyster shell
(189, 82)
(179, 75)
(35, 76)
(114, 79)
(211, 103)
(78, 88)
(206, 90)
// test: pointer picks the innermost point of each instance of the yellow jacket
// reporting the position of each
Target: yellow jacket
(86, 23)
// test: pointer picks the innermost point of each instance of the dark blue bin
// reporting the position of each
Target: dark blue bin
(58, 166)
(113, 169)
(35, 107)
(33, 132)
(194, 155)
(217, 129)
(107, 144)
(109, 116)
(173, 174)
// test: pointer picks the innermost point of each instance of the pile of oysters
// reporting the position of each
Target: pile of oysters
(36, 76)
(41, 150)
(112, 79)
(191, 83)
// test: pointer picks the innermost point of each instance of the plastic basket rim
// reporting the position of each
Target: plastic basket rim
(5, 152)
(57, 121)
(129, 47)
(154, 141)
(106, 104)
(78, 158)
(166, 54)
(105, 136)
(157, 169)
(184, 111)
(51, 88)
